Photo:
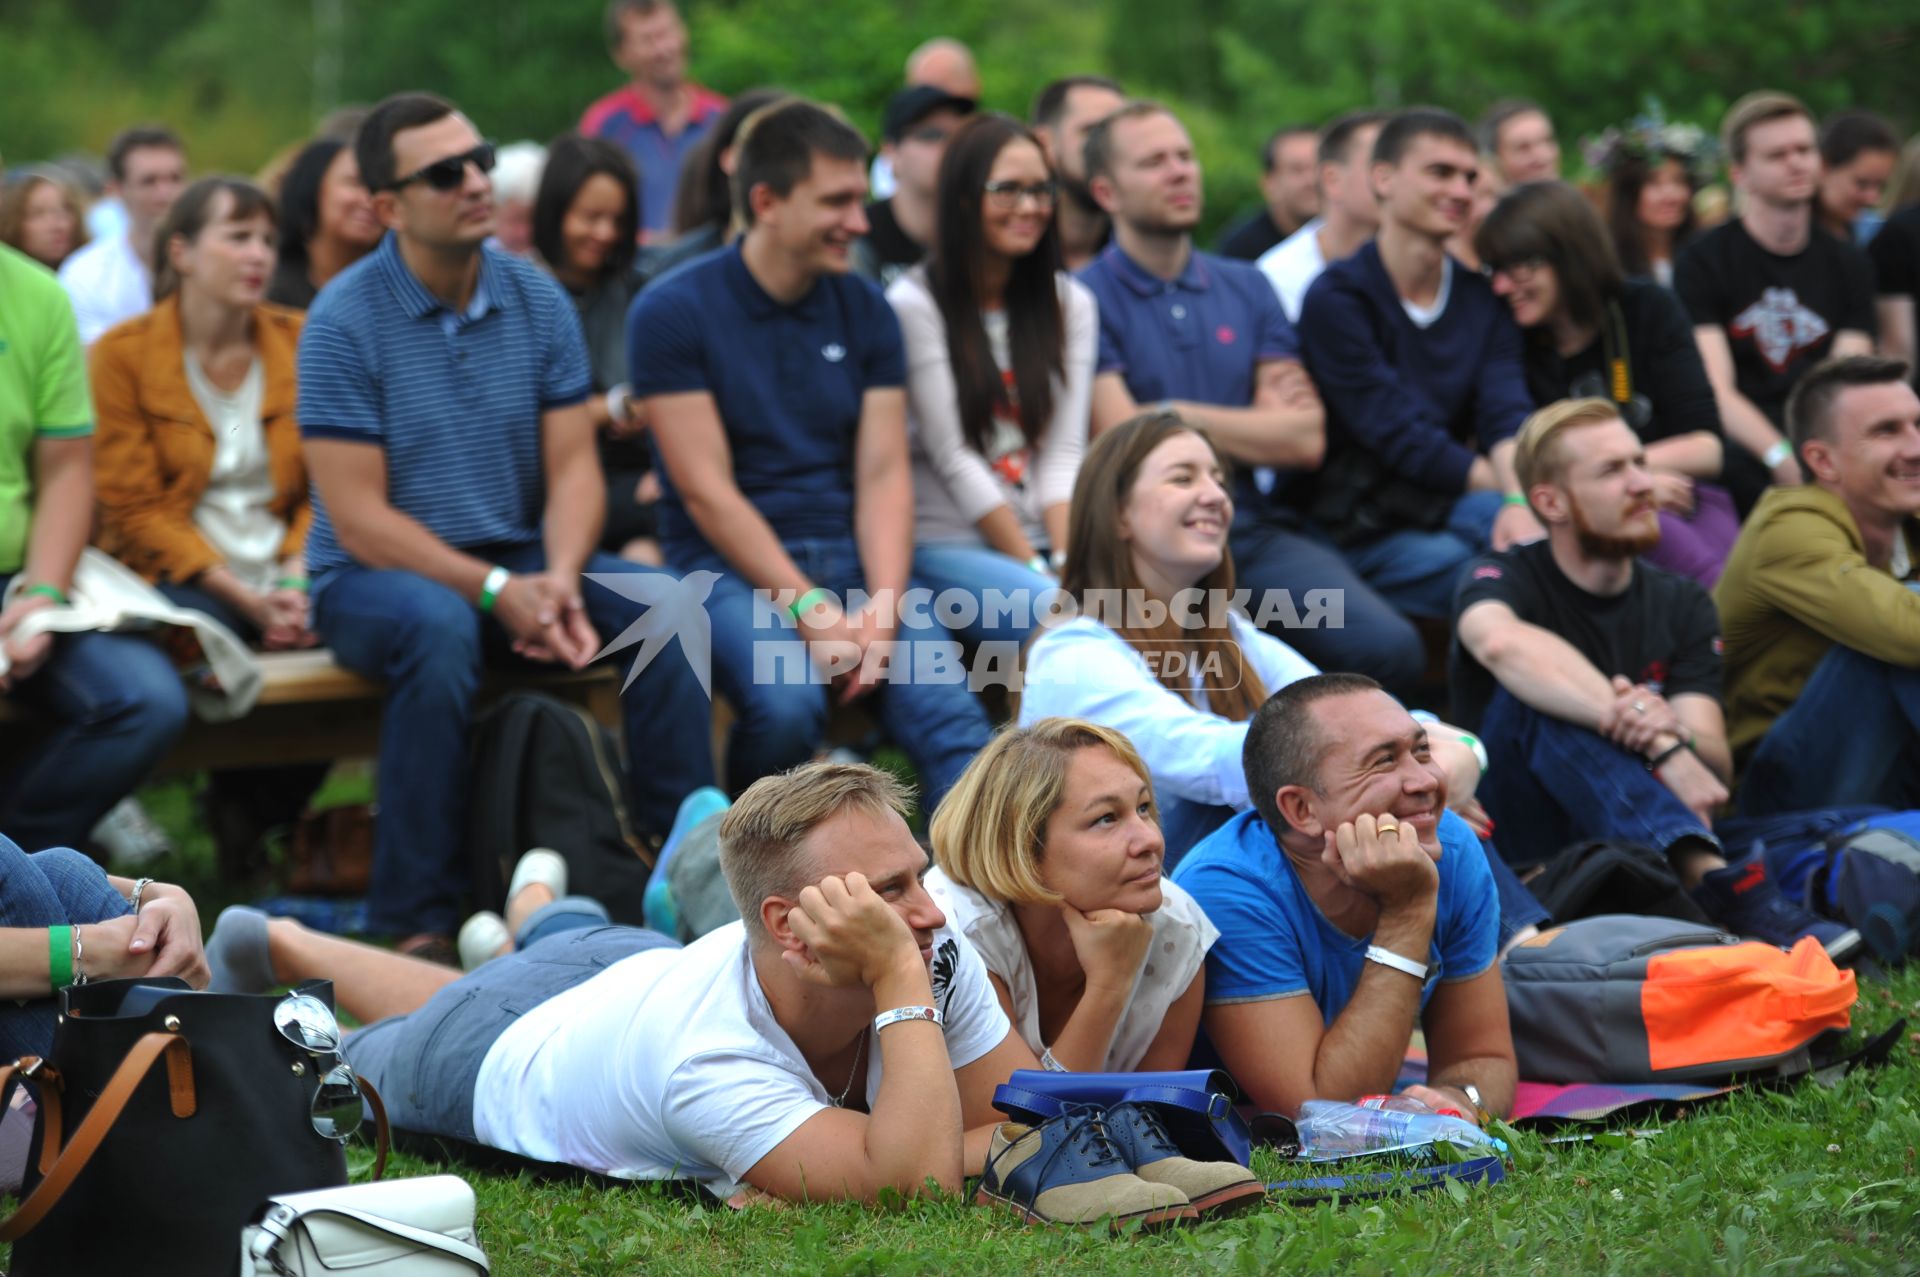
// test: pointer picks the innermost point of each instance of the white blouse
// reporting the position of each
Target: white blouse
(235, 513)
(1181, 937)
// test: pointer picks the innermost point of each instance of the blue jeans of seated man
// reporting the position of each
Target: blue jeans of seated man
(781, 700)
(429, 645)
(1373, 637)
(1417, 571)
(116, 706)
(1853, 736)
(953, 568)
(1550, 783)
(51, 888)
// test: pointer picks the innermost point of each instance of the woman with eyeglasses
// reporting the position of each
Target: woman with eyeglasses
(326, 222)
(1592, 332)
(586, 220)
(1000, 355)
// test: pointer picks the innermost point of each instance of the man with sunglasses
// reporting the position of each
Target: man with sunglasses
(919, 121)
(458, 500)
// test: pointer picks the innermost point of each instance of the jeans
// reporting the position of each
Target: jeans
(1373, 638)
(977, 570)
(259, 798)
(1551, 783)
(557, 917)
(117, 706)
(1853, 736)
(52, 888)
(1417, 571)
(781, 699)
(428, 644)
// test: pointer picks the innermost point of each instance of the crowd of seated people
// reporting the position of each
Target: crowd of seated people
(1202, 519)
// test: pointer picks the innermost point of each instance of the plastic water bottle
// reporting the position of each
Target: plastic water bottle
(1332, 1129)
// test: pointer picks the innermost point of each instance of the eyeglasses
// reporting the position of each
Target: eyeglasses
(447, 174)
(1007, 195)
(338, 1106)
(930, 135)
(1519, 272)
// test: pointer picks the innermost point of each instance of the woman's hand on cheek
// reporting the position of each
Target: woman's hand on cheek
(1111, 944)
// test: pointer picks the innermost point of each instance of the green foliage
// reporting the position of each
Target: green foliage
(243, 78)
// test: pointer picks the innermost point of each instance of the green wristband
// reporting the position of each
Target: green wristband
(292, 583)
(807, 600)
(60, 956)
(1514, 498)
(53, 592)
(490, 588)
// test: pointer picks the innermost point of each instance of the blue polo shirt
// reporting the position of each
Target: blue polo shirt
(788, 382)
(454, 399)
(1200, 337)
(1274, 942)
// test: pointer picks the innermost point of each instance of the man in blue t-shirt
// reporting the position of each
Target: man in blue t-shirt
(774, 380)
(1207, 337)
(1351, 907)
(457, 502)
(1420, 367)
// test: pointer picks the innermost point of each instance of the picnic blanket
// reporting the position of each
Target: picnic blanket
(1545, 1102)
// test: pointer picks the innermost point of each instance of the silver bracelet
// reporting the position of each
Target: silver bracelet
(79, 956)
(1388, 958)
(139, 887)
(900, 1015)
(1050, 1064)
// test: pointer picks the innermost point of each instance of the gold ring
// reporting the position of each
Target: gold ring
(1387, 827)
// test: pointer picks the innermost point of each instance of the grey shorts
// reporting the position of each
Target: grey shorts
(425, 1064)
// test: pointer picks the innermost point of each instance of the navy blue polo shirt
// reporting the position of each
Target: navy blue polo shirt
(454, 399)
(788, 382)
(1200, 337)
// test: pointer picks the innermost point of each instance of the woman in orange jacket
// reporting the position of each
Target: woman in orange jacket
(197, 459)
(197, 454)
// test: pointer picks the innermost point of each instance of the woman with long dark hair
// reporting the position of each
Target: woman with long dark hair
(1591, 331)
(1000, 354)
(586, 220)
(1653, 169)
(326, 221)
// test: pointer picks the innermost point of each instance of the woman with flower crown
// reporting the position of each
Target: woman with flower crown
(1654, 169)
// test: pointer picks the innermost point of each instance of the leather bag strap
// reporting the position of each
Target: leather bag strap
(68, 1162)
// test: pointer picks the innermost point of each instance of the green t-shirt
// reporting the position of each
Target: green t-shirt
(43, 389)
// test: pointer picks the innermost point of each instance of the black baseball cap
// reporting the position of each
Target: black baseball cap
(915, 103)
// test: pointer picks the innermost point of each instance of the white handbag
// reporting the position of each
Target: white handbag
(419, 1227)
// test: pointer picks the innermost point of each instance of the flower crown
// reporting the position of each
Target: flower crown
(1650, 138)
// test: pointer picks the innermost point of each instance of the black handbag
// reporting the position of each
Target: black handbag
(165, 1117)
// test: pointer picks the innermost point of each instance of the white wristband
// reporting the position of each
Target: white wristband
(1779, 452)
(1388, 958)
(902, 1014)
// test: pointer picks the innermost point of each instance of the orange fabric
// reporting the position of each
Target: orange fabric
(1740, 1002)
(153, 448)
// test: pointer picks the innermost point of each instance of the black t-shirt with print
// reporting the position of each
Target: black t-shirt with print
(1780, 314)
(1663, 631)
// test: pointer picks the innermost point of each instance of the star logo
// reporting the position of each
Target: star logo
(1781, 327)
(675, 609)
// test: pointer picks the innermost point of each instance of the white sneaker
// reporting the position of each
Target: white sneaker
(129, 835)
(481, 938)
(541, 865)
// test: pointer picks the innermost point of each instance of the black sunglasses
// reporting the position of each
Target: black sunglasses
(447, 174)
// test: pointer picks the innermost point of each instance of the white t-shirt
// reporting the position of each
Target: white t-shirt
(1181, 937)
(107, 284)
(1293, 264)
(1426, 316)
(235, 513)
(670, 1065)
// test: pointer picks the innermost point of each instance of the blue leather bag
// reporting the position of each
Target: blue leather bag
(1197, 1105)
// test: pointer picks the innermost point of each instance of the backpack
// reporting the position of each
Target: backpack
(1866, 874)
(1610, 876)
(1624, 999)
(546, 774)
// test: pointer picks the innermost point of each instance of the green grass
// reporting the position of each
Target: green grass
(1808, 1180)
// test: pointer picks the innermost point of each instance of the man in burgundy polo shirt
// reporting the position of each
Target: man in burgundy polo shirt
(661, 114)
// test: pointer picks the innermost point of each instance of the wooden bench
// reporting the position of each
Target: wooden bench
(312, 711)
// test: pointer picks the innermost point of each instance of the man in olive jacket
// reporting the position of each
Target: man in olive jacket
(1820, 607)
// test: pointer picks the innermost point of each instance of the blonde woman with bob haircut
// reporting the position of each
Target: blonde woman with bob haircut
(1048, 854)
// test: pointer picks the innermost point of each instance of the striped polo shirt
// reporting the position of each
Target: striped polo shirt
(454, 399)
